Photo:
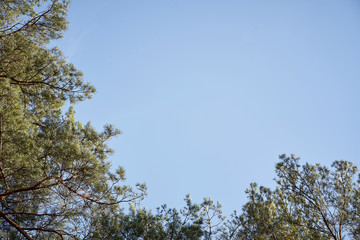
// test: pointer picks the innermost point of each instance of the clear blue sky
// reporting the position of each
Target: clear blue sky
(209, 93)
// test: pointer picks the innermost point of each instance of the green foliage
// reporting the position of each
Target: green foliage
(309, 202)
(55, 181)
(53, 170)
(193, 222)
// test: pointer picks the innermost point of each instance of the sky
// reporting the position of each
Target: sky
(208, 93)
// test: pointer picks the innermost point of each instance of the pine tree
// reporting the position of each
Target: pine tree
(53, 169)
(309, 202)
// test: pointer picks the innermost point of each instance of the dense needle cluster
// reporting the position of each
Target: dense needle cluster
(55, 181)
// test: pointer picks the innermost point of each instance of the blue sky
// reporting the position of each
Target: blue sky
(209, 93)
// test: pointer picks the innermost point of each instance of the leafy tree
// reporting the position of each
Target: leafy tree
(55, 181)
(53, 169)
(193, 222)
(309, 202)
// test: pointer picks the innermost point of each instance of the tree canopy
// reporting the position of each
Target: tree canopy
(53, 169)
(55, 179)
(309, 202)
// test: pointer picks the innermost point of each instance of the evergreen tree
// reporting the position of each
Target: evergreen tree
(53, 169)
(309, 202)
(193, 222)
(55, 181)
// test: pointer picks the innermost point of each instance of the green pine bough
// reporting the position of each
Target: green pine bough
(56, 183)
(53, 170)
